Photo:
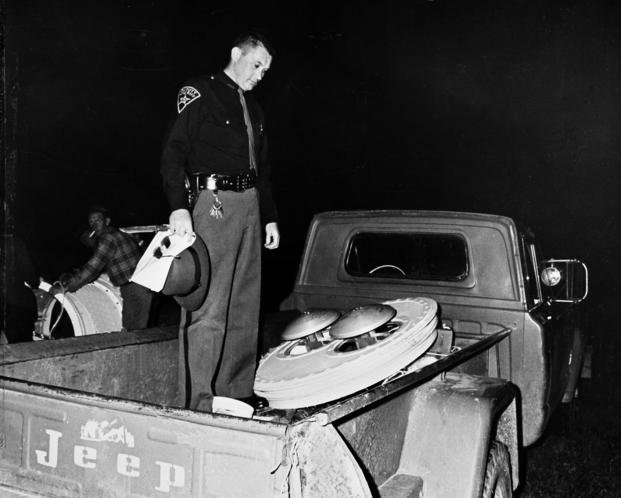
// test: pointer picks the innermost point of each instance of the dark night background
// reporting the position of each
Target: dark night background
(510, 107)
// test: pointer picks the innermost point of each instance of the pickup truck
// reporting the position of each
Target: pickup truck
(99, 415)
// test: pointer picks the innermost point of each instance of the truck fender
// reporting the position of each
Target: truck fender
(452, 423)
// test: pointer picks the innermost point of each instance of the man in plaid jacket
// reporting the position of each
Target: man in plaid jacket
(116, 253)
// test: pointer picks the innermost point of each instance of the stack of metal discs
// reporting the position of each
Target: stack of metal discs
(326, 357)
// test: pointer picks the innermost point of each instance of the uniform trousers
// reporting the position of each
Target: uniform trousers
(218, 342)
(136, 306)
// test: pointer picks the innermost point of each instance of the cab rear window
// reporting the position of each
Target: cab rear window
(412, 256)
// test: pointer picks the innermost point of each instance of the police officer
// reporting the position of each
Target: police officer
(217, 143)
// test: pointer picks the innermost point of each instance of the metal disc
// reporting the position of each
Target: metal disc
(309, 322)
(361, 320)
(332, 372)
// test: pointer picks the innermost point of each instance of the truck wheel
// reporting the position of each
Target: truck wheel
(497, 473)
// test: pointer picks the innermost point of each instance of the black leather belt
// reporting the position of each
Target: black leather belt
(237, 183)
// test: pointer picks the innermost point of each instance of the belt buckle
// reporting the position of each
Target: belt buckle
(212, 183)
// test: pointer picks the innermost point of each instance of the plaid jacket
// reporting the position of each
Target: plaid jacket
(117, 253)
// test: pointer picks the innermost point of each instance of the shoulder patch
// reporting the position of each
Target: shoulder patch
(186, 95)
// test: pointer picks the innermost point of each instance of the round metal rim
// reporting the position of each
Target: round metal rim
(334, 375)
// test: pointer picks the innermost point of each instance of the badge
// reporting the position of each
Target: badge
(186, 95)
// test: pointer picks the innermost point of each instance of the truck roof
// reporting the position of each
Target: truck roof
(409, 213)
(452, 217)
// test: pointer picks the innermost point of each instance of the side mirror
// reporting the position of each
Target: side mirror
(564, 280)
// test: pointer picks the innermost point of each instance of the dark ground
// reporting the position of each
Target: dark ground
(581, 460)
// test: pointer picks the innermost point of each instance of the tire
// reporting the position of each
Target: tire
(497, 482)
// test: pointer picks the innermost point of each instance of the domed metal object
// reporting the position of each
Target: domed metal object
(309, 322)
(361, 320)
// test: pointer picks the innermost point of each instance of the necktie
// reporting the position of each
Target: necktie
(253, 160)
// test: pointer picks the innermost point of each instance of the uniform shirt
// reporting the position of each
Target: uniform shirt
(209, 135)
(117, 254)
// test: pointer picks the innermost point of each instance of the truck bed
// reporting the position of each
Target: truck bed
(99, 416)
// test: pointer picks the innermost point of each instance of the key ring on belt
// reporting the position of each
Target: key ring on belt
(216, 209)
